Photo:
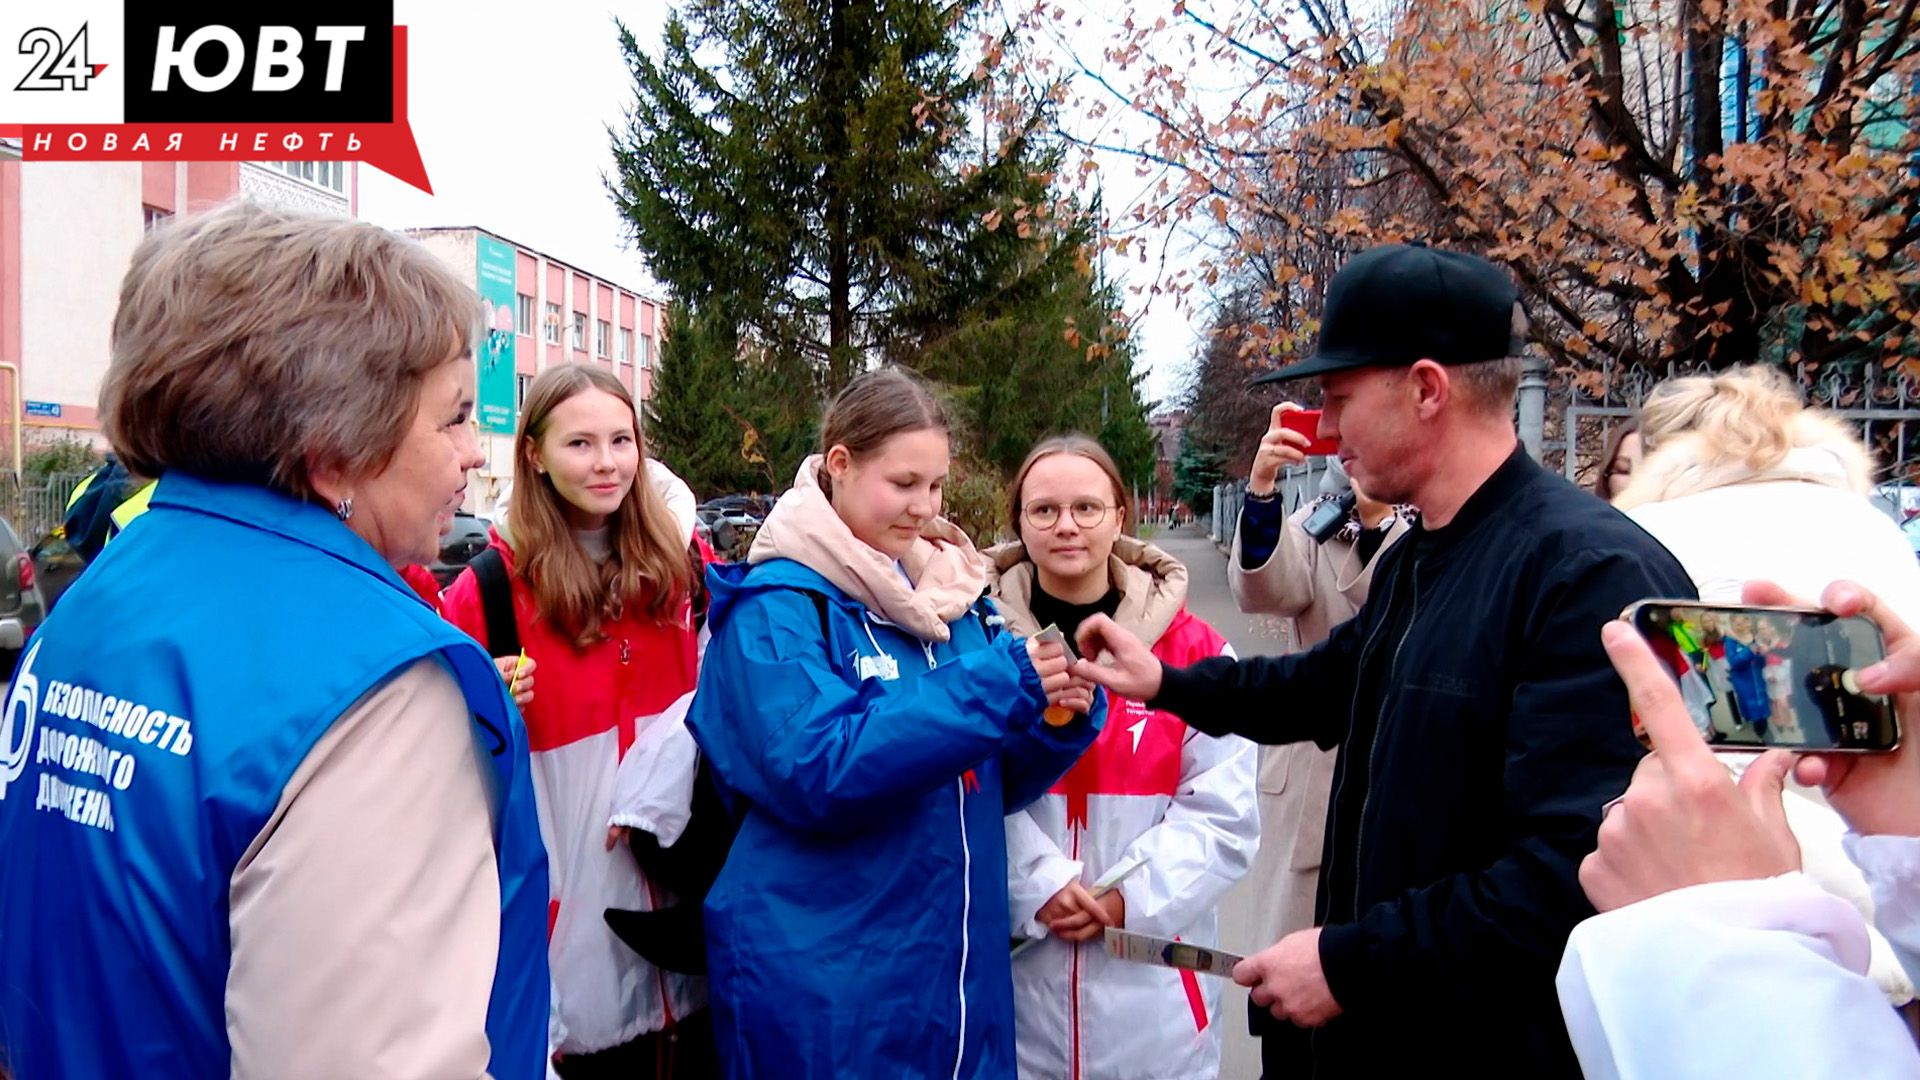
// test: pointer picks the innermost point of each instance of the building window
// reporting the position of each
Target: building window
(623, 351)
(331, 175)
(523, 315)
(520, 384)
(646, 353)
(601, 333)
(154, 217)
(579, 331)
(553, 324)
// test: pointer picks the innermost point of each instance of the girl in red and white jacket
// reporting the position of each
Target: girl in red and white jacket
(1173, 809)
(602, 577)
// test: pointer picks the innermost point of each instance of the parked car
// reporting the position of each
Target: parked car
(467, 539)
(721, 533)
(55, 565)
(22, 607)
(745, 517)
(741, 509)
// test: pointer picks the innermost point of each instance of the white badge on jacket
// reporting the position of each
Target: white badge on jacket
(881, 667)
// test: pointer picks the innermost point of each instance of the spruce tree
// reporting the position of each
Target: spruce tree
(807, 166)
(695, 384)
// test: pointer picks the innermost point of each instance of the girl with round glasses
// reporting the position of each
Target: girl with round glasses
(1175, 805)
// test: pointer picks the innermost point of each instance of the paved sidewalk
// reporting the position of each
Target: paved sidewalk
(1251, 635)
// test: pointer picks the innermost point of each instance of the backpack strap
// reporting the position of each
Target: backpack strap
(496, 602)
(698, 599)
(820, 603)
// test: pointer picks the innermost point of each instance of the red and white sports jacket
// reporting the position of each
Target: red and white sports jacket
(592, 709)
(1149, 788)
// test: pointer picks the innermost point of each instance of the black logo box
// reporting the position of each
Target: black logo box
(366, 86)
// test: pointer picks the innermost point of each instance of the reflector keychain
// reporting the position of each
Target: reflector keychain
(1056, 715)
(1165, 952)
(513, 682)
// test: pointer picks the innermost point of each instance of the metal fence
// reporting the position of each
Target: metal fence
(36, 509)
(1565, 424)
(1568, 422)
(1297, 486)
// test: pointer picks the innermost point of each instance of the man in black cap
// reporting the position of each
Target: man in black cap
(1480, 726)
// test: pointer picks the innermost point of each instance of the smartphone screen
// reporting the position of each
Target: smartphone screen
(1307, 422)
(1763, 677)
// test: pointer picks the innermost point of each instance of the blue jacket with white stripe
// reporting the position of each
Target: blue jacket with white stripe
(860, 925)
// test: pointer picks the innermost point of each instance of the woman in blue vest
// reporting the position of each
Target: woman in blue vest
(871, 724)
(263, 813)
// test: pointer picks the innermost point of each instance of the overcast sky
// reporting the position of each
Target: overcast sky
(511, 113)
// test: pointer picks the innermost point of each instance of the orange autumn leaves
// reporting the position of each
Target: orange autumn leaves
(1704, 182)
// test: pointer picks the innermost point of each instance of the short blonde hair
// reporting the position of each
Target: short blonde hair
(1708, 431)
(253, 345)
(1746, 414)
(1490, 385)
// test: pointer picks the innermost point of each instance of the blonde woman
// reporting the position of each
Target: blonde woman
(1742, 481)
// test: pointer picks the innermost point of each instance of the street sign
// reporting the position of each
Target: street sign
(44, 408)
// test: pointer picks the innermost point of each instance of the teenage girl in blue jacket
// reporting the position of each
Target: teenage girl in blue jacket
(870, 723)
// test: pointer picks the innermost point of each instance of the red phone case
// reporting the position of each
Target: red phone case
(1307, 422)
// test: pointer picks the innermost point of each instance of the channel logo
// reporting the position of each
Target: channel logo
(100, 80)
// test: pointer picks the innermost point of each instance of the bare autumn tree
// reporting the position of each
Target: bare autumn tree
(1699, 182)
(1224, 419)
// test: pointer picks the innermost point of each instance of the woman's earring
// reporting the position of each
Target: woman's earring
(344, 508)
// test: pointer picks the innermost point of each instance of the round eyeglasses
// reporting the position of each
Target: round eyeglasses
(1087, 513)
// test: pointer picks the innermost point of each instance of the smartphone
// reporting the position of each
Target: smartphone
(1771, 677)
(1307, 422)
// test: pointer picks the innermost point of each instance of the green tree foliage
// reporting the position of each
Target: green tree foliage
(687, 423)
(1044, 365)
(1195, 472)
(62, 455)
(725, 422)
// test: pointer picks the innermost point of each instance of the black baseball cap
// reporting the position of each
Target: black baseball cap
(1397, 304)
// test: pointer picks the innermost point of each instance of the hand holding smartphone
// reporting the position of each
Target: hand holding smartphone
(1307, 422)
(1758, 677)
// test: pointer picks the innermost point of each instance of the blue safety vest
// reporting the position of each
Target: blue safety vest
(151, 727)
